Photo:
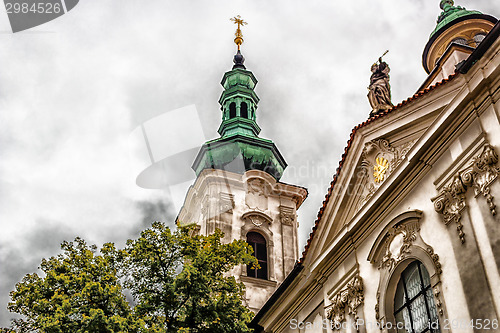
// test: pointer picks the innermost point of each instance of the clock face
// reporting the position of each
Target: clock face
(380, 168)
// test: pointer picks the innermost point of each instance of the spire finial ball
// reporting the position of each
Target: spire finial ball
(446, 2)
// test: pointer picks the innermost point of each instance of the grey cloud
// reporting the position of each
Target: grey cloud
(158, 210)
(43, 241)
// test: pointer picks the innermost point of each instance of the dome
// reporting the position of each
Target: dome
(457, 25)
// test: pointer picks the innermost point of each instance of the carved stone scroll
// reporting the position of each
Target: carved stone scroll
(257, 194)
(378, 160)
(287, 215)
(481, 172)
(350, 298)
(226, 202)
(450, 204)
(397, 245)
(257, 218)
(399, 241)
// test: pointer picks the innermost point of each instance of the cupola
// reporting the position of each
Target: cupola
(458, 32)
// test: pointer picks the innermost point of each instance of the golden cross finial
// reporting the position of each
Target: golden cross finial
(239, 36)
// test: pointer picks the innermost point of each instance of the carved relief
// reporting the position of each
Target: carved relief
(397, 244)
(287, 215)
(450, 203)
(226, 203)
(401, 241)
(257, 218)
(485, 171)
(439, 304)
(481, 172)
(257, 186)
(257, 194)
(435, 259)
(350, 298)
(381, 157)
(377, 307)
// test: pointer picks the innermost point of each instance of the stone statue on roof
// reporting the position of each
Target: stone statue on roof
(379, 94)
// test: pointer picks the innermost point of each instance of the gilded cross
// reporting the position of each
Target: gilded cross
(239, 36)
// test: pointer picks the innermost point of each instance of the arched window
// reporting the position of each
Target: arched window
(414, 303)
(232, 110)
(244, 110)
(258, 243)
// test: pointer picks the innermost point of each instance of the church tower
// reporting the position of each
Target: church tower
(238, 191)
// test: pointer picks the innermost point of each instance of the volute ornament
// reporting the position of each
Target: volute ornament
(400, 243)
(349, 298)
(407, 234)
(481, 172)
(257, 218)
(381, 158)
(287, 215)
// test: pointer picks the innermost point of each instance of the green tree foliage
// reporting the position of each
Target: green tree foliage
(180, 282)
(79, 292)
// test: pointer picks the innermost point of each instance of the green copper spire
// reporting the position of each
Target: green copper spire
(239, 148)
(451, 13)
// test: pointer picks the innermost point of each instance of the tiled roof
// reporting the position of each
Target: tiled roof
(346, 151)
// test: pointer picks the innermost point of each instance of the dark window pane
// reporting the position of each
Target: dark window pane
(261, 252)
(262, 272)
(244, 110)
(255, 237)
(250, 271)
(232, 110)
(425, 277)
(432, 308)
(258, 243)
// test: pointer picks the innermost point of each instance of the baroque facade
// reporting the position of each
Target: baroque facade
(408, 236)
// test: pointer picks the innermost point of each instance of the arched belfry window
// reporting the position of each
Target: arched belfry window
(414, 307)
(232, 110)
(244, 110)
(258, 243)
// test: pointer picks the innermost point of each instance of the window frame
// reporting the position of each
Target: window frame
(256, 255)
(415, 248)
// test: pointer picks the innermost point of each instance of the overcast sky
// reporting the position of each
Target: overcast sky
(73, 90)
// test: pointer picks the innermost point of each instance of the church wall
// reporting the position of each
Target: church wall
(464, 269)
